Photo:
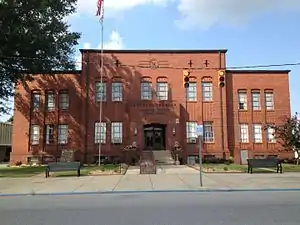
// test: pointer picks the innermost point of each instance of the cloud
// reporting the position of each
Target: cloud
(115, 42)
(205, 13)
(114, 6)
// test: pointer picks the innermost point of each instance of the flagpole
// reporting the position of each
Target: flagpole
(101, 82)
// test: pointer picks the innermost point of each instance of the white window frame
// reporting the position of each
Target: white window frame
(100, 91)
(191, 134)
(50, 101)
(208, 132)
(49, 131)
(269, 101)
(100, 132)
(117, 91)
(35, 134)
(257, 133)
(207, 91)
(271, 134)
(146, 90)
(256, 101)
(64, 100)
(162, 91)
(116, 132)
(36, 100)
(242, 99)
(192, 92)
(63, 134)
(244, 133)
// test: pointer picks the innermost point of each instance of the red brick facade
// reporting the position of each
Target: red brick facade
(131, 68)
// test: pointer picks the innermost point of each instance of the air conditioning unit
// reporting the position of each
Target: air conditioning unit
(193, 140)
(117, 140)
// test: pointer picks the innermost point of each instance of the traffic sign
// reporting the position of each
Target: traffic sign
(199, 130)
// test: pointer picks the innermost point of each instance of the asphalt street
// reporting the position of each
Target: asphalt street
(207, 208)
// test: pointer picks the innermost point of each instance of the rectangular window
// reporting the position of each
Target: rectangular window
(242, 98)
(35, 98)
(162, 91)
(35, 134)
(146, 91)
(49, 134)
(192, 92)
(116, 132)
(207, 91)
(100, 132)
(63, 135)
(257, 133)
(117, 91)
(208, 132)
(244, 133)
(269, 100)
(63, 100)
(256, 101)
(191, 133)
(100, 91)
(50, 101)
(271, 134)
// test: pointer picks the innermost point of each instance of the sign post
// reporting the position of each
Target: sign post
(199, 131)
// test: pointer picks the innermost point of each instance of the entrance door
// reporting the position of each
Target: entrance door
(154, 136)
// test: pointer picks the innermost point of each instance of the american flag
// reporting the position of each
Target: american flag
(100, 8)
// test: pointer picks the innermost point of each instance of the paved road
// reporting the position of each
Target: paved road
(210, 208)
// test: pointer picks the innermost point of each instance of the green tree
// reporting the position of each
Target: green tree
(34, 38)
(288, 135)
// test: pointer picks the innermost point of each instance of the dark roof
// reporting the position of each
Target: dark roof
(259, 71)
(159, 51)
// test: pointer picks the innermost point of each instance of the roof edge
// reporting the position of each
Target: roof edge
(161, 51)
(259, 71)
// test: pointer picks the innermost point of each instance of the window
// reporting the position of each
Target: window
(191, 133)
(63, 134)
(35, 134)
(257, 134)
(146, 91)
(117, 91)
(269, 98)
(207, 91)
(116, 132)
(100, 132)
(49, 134)
(208, 132)
(35, 98)
(244, 133)
(242, 98)
(192, 92)
(271, 134)
(162, 91)
(50, 101)
(100, 91)
(256, 101)
(63, 100)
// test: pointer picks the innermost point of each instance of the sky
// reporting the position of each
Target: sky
(255, 32)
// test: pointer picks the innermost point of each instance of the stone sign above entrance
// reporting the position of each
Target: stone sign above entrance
(151, 108)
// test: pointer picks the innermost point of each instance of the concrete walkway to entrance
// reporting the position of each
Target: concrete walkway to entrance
(157, 182)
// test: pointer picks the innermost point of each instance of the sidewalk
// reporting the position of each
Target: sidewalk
(158, 182)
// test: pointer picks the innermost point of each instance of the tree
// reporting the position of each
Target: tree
(288, 135)
(34, 38)
(11, 119)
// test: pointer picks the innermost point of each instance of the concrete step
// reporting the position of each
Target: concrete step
(163, 157)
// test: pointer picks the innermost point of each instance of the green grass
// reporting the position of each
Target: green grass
(291, 168)
(32, 171)
(21, 171)
(224, 167)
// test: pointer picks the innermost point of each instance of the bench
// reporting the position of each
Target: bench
(264, 163)
(62, 166)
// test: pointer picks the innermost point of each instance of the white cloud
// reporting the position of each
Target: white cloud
(114, 6)
(115, 42)
(205, 13)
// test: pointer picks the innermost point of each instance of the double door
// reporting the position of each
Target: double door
(154, 138)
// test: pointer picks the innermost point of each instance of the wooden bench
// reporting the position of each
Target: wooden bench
(62, 166)
(264, 163)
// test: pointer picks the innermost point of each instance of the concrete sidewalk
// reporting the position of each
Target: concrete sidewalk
(158, 182)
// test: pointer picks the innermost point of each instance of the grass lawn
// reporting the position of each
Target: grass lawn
(291, 168)
(32, 171)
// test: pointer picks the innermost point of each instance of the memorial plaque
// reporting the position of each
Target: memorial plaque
(67, 155)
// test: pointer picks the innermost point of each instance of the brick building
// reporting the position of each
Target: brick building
(144, 100)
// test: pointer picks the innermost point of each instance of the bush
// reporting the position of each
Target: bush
(225, 168)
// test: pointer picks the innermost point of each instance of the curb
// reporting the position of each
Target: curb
(151, 191)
